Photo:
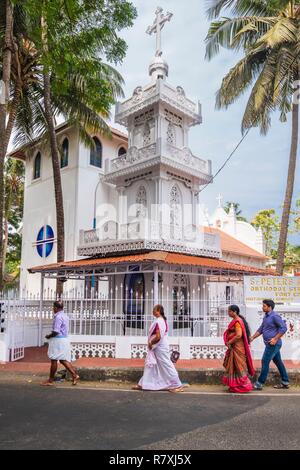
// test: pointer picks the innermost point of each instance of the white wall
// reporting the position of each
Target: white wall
(79, 180)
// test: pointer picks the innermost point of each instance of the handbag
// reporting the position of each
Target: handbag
(174, 356)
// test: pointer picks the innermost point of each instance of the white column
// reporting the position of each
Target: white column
(155, 287)
(185, 134)
(122, 233)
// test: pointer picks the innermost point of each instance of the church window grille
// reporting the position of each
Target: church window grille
(146, 135)
(171, 134)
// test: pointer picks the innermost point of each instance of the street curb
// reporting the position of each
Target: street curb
(192, 376)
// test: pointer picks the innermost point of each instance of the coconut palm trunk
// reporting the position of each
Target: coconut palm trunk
(60, 220)
(6, 70)
(59, 205)
(289, 190)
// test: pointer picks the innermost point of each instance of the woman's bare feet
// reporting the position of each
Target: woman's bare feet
(136, 387)
(175, 390)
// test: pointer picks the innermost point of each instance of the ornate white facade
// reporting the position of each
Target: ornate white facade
(158, 179)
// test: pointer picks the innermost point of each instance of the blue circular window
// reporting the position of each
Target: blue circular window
(45, 241)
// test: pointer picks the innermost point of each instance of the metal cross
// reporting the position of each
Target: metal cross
(157, 26)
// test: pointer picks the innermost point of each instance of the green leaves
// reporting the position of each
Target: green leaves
(80, 35)
(271, 45)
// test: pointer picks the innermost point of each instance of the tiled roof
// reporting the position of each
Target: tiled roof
(162, 256)
(232, 245)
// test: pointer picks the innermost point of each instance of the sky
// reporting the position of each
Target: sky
(256, 175)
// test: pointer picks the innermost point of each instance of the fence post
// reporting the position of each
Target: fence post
(41, 309)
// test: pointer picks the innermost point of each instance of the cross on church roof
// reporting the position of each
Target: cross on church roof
(157, 26)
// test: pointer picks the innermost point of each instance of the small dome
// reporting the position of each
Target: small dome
(158, 67)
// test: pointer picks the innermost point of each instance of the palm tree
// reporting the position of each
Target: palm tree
(83, 95)
(14, 192)
(6, 46)
(238, 211)
(268, 33)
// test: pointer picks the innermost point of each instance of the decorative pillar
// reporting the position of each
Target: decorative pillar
(122, 232)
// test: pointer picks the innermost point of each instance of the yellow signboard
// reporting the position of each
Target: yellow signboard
(280, 289)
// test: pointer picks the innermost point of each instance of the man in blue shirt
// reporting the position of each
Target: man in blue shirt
(272, 328)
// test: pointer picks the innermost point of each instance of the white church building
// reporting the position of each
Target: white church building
(134, 233)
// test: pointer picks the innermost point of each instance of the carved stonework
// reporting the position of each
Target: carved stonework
(180, 94)
(171, 134)
(146, 134)
(132, 154)
(141, 201)
(144, 117)
(91, 236)
(137, 94)
(173, 118)
(187, 155)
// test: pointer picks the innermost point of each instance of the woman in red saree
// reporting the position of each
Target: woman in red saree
(238, 360)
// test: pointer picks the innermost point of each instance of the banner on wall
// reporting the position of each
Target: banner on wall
(280, 289)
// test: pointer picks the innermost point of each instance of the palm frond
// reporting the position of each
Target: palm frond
(241, 7)
(239, 78)
(234, 33)
(285, 30)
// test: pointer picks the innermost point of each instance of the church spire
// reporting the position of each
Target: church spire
(158, 67)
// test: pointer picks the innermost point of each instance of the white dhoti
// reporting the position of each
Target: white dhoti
(59, 349)
(162, 375)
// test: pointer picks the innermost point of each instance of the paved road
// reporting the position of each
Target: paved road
(32, 417)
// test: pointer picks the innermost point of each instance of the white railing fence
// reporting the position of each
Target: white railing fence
(116, 324)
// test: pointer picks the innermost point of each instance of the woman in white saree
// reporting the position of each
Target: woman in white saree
(159, 372)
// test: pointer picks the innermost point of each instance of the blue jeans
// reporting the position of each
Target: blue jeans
(272, 353)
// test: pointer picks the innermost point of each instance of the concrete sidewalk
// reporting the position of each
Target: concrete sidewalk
(194, 371)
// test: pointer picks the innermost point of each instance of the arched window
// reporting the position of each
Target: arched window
(96, 154)
(122, 151)
(37, 166)
(65, 153)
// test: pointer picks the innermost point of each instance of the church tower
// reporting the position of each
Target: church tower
(158, 179)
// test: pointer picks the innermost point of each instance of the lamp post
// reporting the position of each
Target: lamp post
(95, 198)
(94, 221)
